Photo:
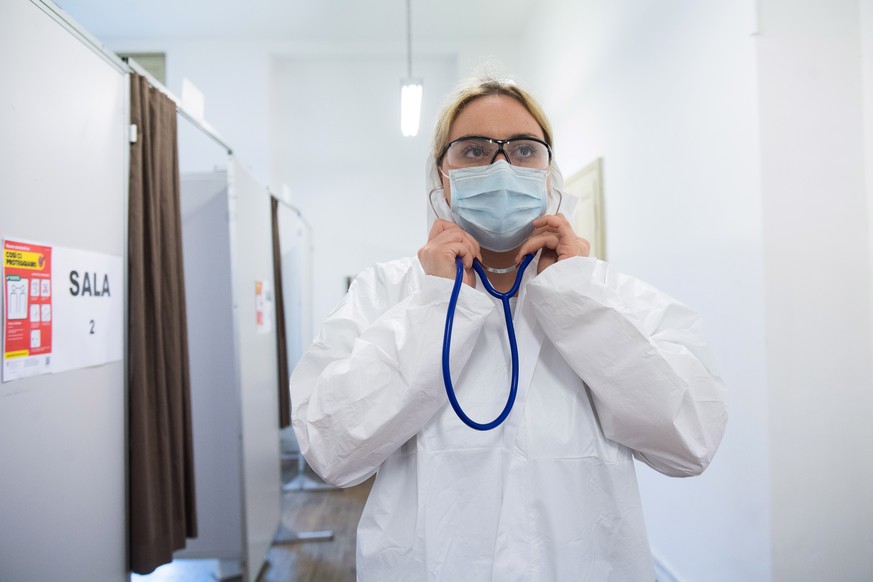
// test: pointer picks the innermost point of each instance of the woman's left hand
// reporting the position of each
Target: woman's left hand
(554, 235)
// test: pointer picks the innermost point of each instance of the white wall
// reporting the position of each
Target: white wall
(818, 289)
(733, 147)
(666, 93)
(336, 142)
(358, 181)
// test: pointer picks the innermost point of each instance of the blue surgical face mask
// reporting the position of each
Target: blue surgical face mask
(496, 204)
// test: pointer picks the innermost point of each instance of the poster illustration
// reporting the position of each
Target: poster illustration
(27, 314)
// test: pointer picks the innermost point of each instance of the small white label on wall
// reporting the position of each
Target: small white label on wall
(88, 309)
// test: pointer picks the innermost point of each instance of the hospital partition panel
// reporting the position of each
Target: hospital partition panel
(63, 171)
(295, 237)
(215, 397)
(252, 274)
(295, 241)
(64, 163)
(229, 285)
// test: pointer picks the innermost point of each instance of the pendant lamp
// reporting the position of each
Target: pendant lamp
(411, 88)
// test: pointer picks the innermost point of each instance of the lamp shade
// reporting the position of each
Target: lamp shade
(410, 106)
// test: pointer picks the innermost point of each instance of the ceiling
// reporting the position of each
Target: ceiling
(301, 20)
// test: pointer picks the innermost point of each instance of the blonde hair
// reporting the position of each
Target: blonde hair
(484, 87)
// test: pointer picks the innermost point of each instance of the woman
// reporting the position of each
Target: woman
(609, 369)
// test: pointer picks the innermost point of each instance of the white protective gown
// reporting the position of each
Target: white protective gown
(610, 369)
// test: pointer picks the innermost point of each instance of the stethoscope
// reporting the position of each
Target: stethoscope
(510, 330)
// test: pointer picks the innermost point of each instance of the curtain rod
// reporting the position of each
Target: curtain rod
(198, 123)
(291, 207)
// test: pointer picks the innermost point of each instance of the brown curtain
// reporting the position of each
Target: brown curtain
(281, 337)
(160, 455)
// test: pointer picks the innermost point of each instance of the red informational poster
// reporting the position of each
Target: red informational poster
(27, 314)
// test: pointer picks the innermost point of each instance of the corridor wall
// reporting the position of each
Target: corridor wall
(729, 132)
(63, 165)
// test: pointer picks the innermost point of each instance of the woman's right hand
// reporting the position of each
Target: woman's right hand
(445, 242)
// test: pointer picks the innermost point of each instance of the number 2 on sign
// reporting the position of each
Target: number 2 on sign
(92, 327)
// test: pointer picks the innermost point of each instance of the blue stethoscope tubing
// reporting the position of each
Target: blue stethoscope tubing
(513, 346)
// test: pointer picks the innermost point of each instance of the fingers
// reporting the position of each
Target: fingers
(451, 236)
(553, 222)
(446, 242)
(549, 231)
(440, 225)
(554, 232)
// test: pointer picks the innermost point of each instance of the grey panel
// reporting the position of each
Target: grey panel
(63, 164)
(215, 411)
(228, 248)
(251, 259)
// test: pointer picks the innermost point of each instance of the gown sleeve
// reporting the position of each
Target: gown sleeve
(373, 378)
(642, 356)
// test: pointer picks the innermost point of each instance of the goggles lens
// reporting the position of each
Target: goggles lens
(480, 151)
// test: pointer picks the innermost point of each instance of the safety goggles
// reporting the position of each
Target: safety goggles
(476, 150)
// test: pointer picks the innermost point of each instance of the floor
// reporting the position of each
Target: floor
(336, 511)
